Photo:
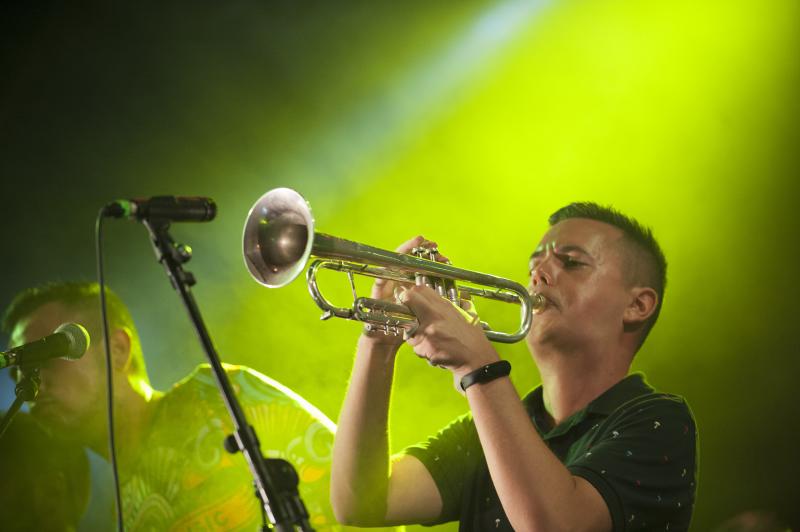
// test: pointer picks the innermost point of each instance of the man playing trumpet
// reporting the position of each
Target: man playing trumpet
(592, 448)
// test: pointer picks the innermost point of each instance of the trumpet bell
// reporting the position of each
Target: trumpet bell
(277, 239)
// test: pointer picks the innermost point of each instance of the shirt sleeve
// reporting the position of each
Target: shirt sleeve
(451, 456)
(290, 428)
(643, 464)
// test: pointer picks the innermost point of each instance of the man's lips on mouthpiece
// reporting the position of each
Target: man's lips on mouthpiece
(548, 303)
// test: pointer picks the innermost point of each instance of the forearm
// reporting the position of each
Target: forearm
(536, 490)
(360, 470)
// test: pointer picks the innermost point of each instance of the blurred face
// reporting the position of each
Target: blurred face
(72, 392)
(577, 267)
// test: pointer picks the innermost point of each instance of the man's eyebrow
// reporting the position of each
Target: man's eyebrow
(571, 247)
(559, 249)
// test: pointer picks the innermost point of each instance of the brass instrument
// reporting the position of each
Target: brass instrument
(279, 239)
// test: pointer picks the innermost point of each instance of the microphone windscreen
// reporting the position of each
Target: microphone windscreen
(78, 338)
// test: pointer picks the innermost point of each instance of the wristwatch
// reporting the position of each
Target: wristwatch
(489, 372)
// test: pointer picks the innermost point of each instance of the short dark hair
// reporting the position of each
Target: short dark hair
(648, 265)
(80, 296)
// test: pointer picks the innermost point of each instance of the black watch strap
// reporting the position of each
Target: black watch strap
(489, 372)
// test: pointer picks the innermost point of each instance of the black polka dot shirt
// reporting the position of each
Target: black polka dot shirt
(636, 446)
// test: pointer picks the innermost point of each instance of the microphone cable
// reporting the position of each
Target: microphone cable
(109, 372)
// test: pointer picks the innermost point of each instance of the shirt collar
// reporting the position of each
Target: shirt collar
(628, 388)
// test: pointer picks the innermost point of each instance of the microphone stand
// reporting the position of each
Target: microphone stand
(275, 480)
(27, 389)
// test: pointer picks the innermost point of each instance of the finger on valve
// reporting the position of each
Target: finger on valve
(468, 312)
(386, 289)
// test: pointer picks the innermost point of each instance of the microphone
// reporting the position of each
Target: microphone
(69, 341)
(168, 208)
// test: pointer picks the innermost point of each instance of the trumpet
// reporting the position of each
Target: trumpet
(279, 240)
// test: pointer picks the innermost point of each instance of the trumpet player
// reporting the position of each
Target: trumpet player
(593, 448)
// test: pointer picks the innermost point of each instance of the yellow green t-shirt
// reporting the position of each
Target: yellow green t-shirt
(182, 479)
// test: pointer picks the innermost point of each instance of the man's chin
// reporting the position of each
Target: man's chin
(543, 333)
(49, 415)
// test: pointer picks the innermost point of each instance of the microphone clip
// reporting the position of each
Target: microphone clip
(168, 252)
(27, 389)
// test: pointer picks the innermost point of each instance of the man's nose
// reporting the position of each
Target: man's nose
(540, 277)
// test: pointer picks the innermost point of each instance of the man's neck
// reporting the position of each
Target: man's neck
(133, 413)
(571, 381)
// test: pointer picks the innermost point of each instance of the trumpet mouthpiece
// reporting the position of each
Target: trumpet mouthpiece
(538, 302)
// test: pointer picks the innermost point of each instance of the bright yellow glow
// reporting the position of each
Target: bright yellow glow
(666, 110)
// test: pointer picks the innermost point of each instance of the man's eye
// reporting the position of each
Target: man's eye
(569, 262)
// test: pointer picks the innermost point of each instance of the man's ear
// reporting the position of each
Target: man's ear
(642, 304)
(121, 348)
